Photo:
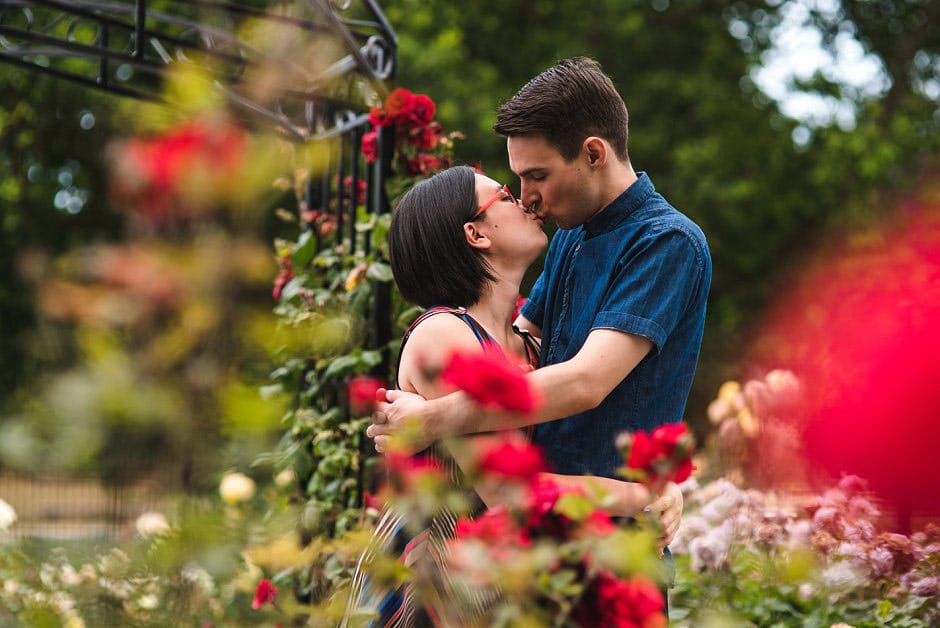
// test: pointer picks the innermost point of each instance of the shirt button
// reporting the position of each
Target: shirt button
(577, 248)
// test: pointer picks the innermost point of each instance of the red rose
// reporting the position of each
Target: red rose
(360, 192)
(545, 494)
(514, 458)
(491, 381)
(490, 526)
(599, 523)
(371, 501)
(609, 601)
(361, 391)
(644, 452)
(370, 146)
(663, 456)
(398, 103)
(378, 117)
(280, 281)
(683, 471)
(421, 110)
(427, 137)
(264, 593)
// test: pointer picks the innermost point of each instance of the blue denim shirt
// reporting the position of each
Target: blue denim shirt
(639, 267)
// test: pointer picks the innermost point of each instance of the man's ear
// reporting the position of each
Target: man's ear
(476, 237)
(596, 151)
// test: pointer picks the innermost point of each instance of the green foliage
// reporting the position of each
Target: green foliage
(52, 197)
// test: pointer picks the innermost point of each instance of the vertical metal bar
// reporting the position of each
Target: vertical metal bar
(140, 29)
(103, 62)
(325, 196)
(354, 153)
(342, 194)
(382, 302)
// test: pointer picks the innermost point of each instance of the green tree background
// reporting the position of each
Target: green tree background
(717, 148)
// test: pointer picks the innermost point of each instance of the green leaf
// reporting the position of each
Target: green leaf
(380, 272)
(340, 366)
(304, 251)
(574, 506)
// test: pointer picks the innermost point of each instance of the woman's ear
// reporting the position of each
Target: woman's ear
(476, 237)
(596, 151)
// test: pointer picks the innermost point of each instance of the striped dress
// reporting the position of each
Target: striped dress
(427, 550)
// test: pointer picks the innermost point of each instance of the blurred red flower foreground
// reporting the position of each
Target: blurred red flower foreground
(862, 332)
(491, 380)
(182, 169)
(264, 593)
(663, 456)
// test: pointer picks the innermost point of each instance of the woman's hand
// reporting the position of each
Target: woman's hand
(669, 506)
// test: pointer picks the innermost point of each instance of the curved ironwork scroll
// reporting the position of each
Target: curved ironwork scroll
(126, 46)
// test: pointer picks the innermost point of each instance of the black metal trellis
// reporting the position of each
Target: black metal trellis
(127, 48)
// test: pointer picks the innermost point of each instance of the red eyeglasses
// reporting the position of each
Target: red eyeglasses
(502, 193)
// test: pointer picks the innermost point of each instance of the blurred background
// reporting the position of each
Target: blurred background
(789, 130)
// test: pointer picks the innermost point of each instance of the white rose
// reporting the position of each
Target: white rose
(73, 620)
(285, 478)
(7, 515)
(781, 381)
(151, 523)
(718, 410)
(236, 488)
(148, 602)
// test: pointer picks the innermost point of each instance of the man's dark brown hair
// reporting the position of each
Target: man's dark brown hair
(565, 104)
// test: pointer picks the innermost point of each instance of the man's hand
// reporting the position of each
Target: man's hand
(669, 506)
(401, 415)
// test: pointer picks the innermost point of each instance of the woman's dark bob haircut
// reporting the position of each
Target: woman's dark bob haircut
(431, 259)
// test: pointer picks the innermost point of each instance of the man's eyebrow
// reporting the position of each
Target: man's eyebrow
(529, 171)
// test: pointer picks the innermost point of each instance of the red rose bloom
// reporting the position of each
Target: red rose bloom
(644, 452)
(491, 381)
(280, 281)
(361, 391)
(514, 458)
(378, 117)
(428, 137)
(599, 523)
(493, 526)
(264, 593)
(370, 146)
(609, 601)
(398, 103)
(663, 456)
(421, 110)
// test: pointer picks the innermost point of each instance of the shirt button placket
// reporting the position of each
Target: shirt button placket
(564, 300)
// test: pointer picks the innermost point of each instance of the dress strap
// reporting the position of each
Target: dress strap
(533, 349)
(486, 341)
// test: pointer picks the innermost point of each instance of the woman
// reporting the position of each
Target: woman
(460, 244)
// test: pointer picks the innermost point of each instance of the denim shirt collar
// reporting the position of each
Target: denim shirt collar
(621, 207)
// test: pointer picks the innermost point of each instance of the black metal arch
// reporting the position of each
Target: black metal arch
(125, 47)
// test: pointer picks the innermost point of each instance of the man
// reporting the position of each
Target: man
(620, 304)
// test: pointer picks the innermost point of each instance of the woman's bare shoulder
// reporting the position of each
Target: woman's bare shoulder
(442, 333)
(430, 344)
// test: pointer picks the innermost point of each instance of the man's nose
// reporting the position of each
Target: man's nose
(527, 194)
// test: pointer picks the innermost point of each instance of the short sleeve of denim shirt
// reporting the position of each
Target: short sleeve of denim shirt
(654, 285)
